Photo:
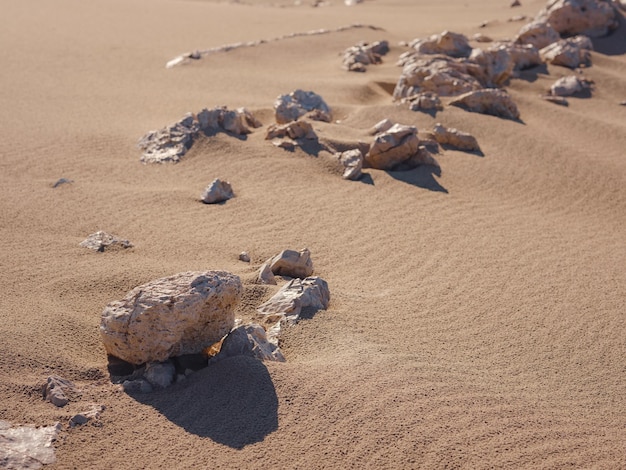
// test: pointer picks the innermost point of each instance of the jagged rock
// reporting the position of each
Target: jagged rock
(392, 147)
(160, 374)
(556, 100)
(172, 316)
(524, 55)
(250, 340)
(292, 263)
(478, 37)
(266, 276)
(27, 447)
(489, 101)
(294, 130)
(101, 241)
(352, 162)
(61, 182)
(244, 256)
(538, 33)
(217, 191)
(381, 126)
(455, 138)
(448, 43)
(288, 302)
(298, 103)
(356, 58)
(137, 386)
(571, 52)
(83, 418)
(55, 390)
(570, 85)
(593, 18)
(496, 65)
(170, 143)
(427, 101)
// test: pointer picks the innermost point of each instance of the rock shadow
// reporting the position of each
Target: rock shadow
(614, 43)
(422, 176)
(214, 132)
(233, 402)
(366, 178)
(477, 152)
(532, 74)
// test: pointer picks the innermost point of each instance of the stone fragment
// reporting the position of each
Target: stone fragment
(570, 85)
(217, 191)
(27, 447)
(160, 374)
(392, 147)
(137, 386)
(427, 101)
(83, 418)
(381, 126)
(488, 101)
(593, 18)
(570, 52)
(101, 241)
(250, 340)
(538, 33)
(294, 130)
(244, 256)
(448, 43)
(172, 316)
(292, 263)
(61, 182)
(170, 143)
(454, 138)
(288, 302)
(358, 57)
(352, 162)
(516, 18)
(298, 103)
(556, 100)
(266, 276)
(55, 390)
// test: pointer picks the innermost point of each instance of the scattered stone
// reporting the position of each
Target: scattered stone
(172, 316)
(160, 374)
(250, 340)
(170, 143)
(381, 126)
(556, 100)
(217, 191)
(516, 18)
(448, 43)
(298, 103)
(266, 276)
(455, 138)
(292, 263)
(496, 65)
(352, 162)
(427, 101)
(27, 447)
(356, 58)
(392, 147)
(83, 418)
(288, 302)
(61, 182)
(571, 52)
(351, 3)
(101, 241)
(593, 18)
(244, 256)
(137, 386)
(488, 101)
(478, 37)
(570, 85)
(294, 130)
(538, 33)
(55, 390)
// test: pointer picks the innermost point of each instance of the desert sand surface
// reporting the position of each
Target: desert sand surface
(478, 312)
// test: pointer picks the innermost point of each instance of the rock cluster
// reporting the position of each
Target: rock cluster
(359, 56)
(293, 130)
(56, 389)
(570, 52)
(299, 103)
(101, 241)
(392, 147)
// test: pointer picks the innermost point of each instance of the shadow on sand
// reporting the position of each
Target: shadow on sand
(423, 177)
(614, 43)
(232, 402)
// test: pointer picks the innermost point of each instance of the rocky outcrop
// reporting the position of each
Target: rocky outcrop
(570, 86)
(593, 18)
(358, 57)
(454, 138)
(392, 147)
(250, 340)
(27, 447)
(538, 33)
(571, 52)
(288, 302)
(57, 389)
(352, 163)
(294, 130)
(217, 191)
(448, 43)
(489, 101)
(299, 103)
(101, 241)
(172, 316)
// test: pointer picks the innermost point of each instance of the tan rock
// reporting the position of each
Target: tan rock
(448, 43)
(479, 37)
(570, 85)
(250, 340)
(292, 263)
(294, 130)
(356, 58)
(571, 52)
(101, 241)
(298, 103)
(538, 33)
(288, 302)
(170, 143)
(172, 316)
(427, 101)
(488, 101)
(381, 126)
(454, 138)
(56, 390)
(217, 191)
(524, 56)
(352, 162)
(392, 147)
(266, 276)
(589, 17)
(496, 65)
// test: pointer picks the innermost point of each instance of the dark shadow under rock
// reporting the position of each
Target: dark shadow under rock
(423, 177)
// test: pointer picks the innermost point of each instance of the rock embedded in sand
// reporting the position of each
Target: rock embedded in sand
(454, 138)
(538, 33)
(496, 65)
(570, 85)
(250, 340)
(266, 276)
(170, 143)
(298, 103)
(488, 101)
(448, 43)
(92, 414)
(101, 241)
(55, 390)
(27, 447)
(352, 162)
(524, 55)
(172, 316)
(478, 37)
(217, 191)
(381, 126)
(359, 56)
(288, 302)
(427, 101)
(570, 52)
(292, 263)
(392, 147)
(294, 130)
(160, 374)
(244, 256)
(593, 18)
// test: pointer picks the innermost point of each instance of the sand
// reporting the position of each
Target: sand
(477, 317)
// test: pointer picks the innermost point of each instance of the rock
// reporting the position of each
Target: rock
(496, 65)
(381, 126)
(356, 58)
(622, 103)
(352, 162)
(55, 390)
(83, 418)
(236, 121)
(516, 18)
(570, 85)
(478, 37)
(448, 43)
(250, 340)
(244, 256)
(101, 241)
(266, 276)
(571, 52)
(524, 56)
(62, 181)
(137, 386)
(292, 263)
(298, 103)
(516, 3)
(556, 100)
(172, 316)
(489, 101)
(392, 147)
(27, 447)
(455, 138)
(538, 33)
(217, 191)
(288, 302)
(160, 374)
(427, 101)
(423, 157)
(294, 130)
(170, 143)
(593, 18)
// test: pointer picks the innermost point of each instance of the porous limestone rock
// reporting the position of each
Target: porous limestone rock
(358, 57)
(27, 447)
(288, 302)
(496, 65)
(294, 130)
(171, 316)
(381, 126)
(538, 33)
(55, 390)
(292, 263)
(427, 101)
(101, 241)
(448, 43)
(488, 101)
(352, 162)
(570, 85)
(170, 143)
(250, 340)
(217, 191)
(299, 103)
(593, 18)
(454, 138)
(392, 147)
(570, 52)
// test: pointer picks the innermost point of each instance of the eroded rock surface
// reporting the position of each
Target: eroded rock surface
(392, 147)
(571, 52)
(454, 138)
(590, 17)
(217, 191)
(288, 302)
(27, 447)
(448, 43)
(250, 340)
(299, 103)
(488, 101)
(496, 65)
(538, 33)
(294, 130)
(570, 85)
(56, 390)
(359, 56)
(101, 241)
(352, 162)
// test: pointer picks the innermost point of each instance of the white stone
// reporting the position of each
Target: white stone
(101, 241)
(356, 58)
(496, 65)
(27, 447)
(392, 147)
(294, 130)
(93, 413)
(298, 103)
(381, 126)
(292, 263)
(571, 52)
(217, 191)
(250, 340)
(244, 256)
(570, 85)
(170, 143)
(489, 101)
(448, 43)
(538, 33)
(288, 302)
(352, 162)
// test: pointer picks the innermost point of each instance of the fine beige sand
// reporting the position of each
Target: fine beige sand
(478, 314)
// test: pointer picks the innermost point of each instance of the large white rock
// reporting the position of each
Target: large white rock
(489, 101)
(590, 17)
(538, 33)
(298, 103)
(392, 147)
(172, 316)
(448, 43)
(27, 447)
(288, 302)
(571, 52)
